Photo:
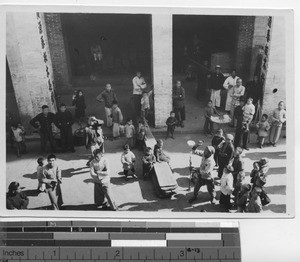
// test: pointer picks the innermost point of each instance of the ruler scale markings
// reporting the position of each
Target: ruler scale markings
(227, 250)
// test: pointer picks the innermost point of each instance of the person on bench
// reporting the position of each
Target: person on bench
(160, 154)
(205, 173)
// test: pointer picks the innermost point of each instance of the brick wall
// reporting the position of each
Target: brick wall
(30, 64)
(244, 46)
(57, 51)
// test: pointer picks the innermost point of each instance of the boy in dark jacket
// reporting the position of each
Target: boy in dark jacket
(217, 141)
(171, 123)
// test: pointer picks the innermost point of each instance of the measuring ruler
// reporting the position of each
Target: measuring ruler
(69, 241)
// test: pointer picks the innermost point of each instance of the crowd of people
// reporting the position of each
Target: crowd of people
(236, 194)
(224, 155)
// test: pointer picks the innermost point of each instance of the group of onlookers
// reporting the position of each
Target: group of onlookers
(224, 154)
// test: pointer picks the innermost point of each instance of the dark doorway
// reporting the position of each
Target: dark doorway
(124, 40)
(125, 44)
(199, 43)
(210, 34)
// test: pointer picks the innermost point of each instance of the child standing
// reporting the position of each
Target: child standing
(248, 111)
(19, 138)
(262, 129)
(39, 171)
(145, 104)
(79, 102)
(217, 142)
(243, 198)
(148, 162)
(117, 119)
(171, 123)
(210, 110)
(129, 132)
(278, 118)
(141, 135)
(128, 161)
(226, 187)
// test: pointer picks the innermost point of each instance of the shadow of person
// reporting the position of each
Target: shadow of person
(31, 176)
(31, 192)
(67, 173)
(275, 208)
(182, 171)
(81, 207)
(183, 182)
(88, 180)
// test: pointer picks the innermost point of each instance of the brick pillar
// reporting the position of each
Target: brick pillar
(244, 46)
(162, 66)
(259, 41)
(58, 49)
(29, 63)
(275, 65)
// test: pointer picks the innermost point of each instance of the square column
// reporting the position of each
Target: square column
(162, 66)
(29, 62)
(275, 64)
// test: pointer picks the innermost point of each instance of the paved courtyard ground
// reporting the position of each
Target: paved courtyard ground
(137, 194)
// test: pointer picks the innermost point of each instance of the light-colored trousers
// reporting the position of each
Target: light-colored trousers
(215, 97)
(108, 116)
(275, 133)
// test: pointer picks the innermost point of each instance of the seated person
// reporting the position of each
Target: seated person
(159, 153)
(148, 162)
(15, 198)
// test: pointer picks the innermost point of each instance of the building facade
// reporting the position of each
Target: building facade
(41, 63)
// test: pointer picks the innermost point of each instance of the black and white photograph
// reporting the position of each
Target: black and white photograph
(168, 111)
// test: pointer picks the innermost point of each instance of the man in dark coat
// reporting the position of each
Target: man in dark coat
(64, 122)
(225, 154)
(44, 121)
(215, 84)
(238, 114)
(178, 103)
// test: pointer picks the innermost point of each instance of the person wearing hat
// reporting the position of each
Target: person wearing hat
(215, 82)
(52, 178)
(15, 198)
(43, 122)
(226, 187)
(64, 121)
(225, 154)
(205, 173)
(94, 138)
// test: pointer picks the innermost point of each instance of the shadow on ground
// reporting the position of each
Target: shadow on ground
(270, 155)
(275, 208)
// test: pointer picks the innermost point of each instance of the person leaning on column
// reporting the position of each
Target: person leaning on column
(139, 84)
